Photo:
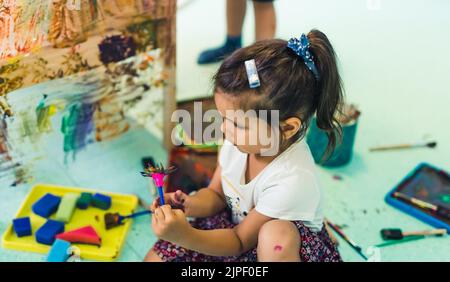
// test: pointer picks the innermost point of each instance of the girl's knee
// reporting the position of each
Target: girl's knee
(278, 240)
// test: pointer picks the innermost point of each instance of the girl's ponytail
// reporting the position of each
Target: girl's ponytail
(329, 98)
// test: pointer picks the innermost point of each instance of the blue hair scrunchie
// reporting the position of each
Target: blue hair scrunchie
(301, 48)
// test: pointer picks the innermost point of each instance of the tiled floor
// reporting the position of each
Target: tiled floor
(395, 65)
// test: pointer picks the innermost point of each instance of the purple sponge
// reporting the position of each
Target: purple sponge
(47, 205)
(46, 234)
(22, 226)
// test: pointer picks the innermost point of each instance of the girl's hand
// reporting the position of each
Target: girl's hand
(177, 200)
(170, 224)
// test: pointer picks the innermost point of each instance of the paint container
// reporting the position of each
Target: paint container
(318, 140)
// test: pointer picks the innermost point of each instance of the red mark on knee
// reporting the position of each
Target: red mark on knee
(278, 248)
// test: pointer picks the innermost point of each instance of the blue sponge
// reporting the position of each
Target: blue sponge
(46, 234)
(101, 201)
(46, 205)
(59, 251)
(22, 226)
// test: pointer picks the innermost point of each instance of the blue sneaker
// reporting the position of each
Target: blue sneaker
(218, 54)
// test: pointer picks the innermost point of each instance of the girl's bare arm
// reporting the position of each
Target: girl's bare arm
(226, 242)
(207, 201)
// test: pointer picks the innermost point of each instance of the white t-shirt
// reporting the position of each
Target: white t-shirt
(287, 188)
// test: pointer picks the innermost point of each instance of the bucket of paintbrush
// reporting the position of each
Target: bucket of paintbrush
(317, 139)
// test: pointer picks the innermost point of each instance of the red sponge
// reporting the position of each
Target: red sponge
(84, 235)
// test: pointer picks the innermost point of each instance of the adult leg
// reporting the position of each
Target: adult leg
(236, 10)
(265, 20)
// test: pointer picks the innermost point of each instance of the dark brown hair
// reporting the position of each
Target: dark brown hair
(287, 85)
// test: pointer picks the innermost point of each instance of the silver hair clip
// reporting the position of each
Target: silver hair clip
(252, 73)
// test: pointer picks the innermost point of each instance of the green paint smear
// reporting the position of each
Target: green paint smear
(68, 124)
(43, 115)
(445, 198)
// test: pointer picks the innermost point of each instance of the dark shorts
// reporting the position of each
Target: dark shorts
(315, 246)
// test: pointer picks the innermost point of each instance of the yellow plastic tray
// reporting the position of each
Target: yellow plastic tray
(112, 240)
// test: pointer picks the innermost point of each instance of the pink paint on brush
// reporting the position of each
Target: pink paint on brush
(278, 248)
(158, 178)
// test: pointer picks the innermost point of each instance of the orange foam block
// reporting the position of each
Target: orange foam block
(84, 235)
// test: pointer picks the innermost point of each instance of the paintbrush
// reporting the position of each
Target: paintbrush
(436, 209)
(115, 219)
(352, 244)
(404, 146)
(157, 173)
(398, 234)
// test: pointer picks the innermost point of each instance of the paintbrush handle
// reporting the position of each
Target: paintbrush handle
(426, 233)
(138, 214)
(161, 196)
(439, 210)
(396, 147)
(417, 202)
(404, 146)
(352, 244)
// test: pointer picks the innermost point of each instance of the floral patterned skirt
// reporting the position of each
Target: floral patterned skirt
(315, 246)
